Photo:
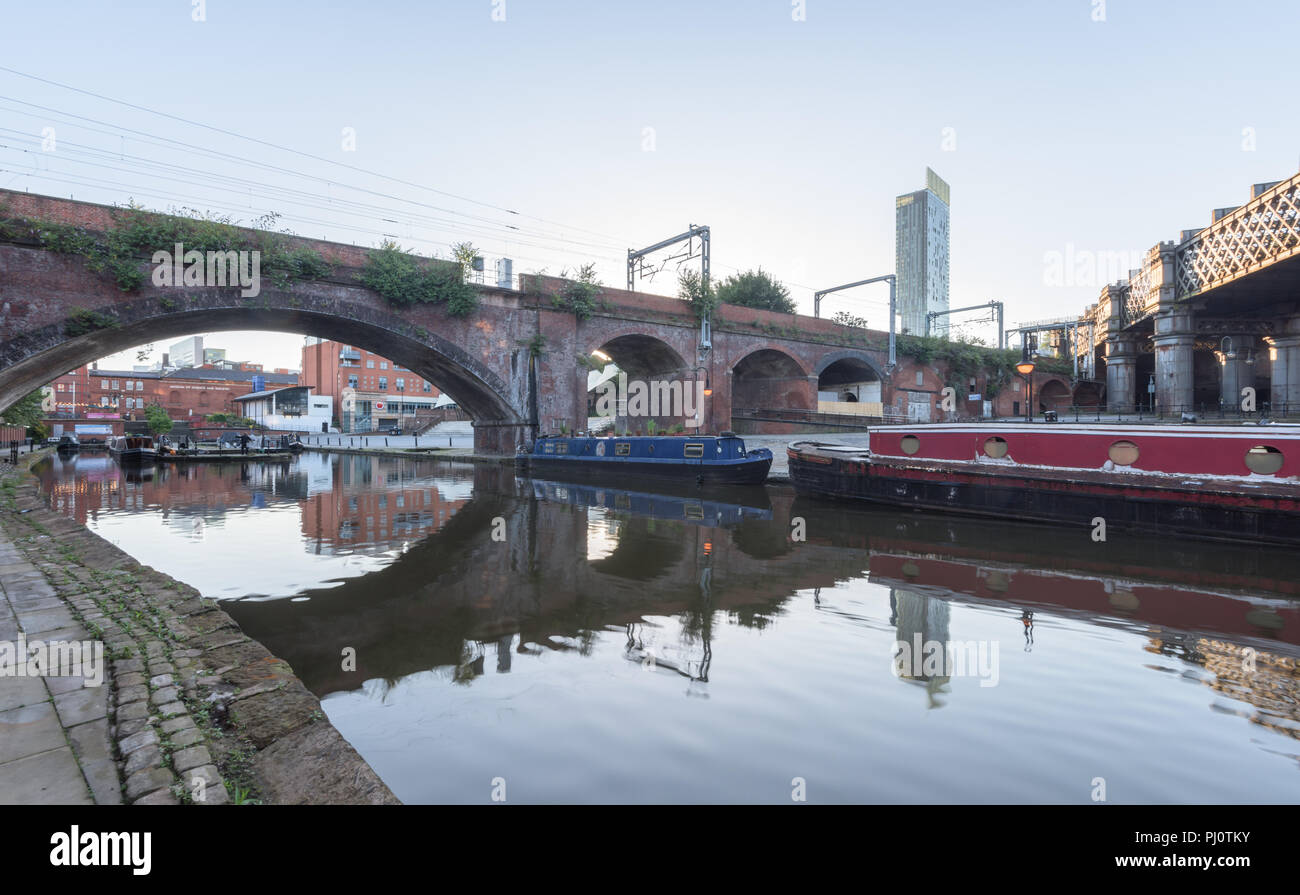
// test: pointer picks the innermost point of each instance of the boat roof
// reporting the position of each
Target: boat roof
(1157, 430)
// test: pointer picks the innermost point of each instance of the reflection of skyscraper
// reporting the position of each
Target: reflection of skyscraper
(920, 621)
(921, 252)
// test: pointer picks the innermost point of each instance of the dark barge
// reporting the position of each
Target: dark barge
(1234, 483)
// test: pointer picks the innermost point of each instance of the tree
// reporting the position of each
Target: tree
(690, 288)
(159, 422)
(756, 289)
(465, 253)
(25, 412)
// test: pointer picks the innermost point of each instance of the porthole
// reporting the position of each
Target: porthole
(1263, 459)
(995, 447)
(1123, 453)
(910, 444)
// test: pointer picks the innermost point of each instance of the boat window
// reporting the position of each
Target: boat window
(549, 448)
(996, 447)
(622, 448)
(562, 447)
(1264, 459)
(910, 444)
(693, 450)
(1123, 453)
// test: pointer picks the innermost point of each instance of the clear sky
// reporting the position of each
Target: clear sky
(1063, 126)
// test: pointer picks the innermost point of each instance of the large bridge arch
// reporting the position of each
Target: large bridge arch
(33, 358)
(771, 378)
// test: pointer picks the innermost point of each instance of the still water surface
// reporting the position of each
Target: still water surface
(602, 645)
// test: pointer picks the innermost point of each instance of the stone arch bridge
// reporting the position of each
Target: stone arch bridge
(487, 361)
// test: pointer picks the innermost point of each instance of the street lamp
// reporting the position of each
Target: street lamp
(708, 392)
(1026, 369)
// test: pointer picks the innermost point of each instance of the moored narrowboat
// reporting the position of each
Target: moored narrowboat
(1217, 482)
(704, 459)
(133, 449)
(68, 444)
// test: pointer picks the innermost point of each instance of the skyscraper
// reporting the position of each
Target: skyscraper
(921, 252)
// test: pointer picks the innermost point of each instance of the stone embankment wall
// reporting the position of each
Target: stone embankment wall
(198, 712)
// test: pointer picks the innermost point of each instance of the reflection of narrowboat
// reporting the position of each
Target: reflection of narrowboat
(1220, 482)
(68, 444)
(714, 459)
(694, 508)
(133, 449)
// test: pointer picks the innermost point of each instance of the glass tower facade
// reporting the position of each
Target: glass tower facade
(921, 252)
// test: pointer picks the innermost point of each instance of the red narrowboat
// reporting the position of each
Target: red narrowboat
(1237, 483)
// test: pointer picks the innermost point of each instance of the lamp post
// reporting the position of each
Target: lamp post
(1026, 369)
(708, 392)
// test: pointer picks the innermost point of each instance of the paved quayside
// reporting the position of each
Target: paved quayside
(188, 702)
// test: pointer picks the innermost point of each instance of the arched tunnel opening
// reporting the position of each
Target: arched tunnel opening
(639, 383)
(849, 380)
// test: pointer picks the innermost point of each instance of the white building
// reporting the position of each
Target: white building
(293, 409)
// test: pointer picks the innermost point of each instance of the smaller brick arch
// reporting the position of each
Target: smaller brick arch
(833, 357)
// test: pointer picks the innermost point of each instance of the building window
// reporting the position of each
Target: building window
(139, 386)
(60, 386)
(383, 365)
(117, 384)
(103, 384)
(370, 365)
(383, 383)
(428, 386)
(352, 381)
(130, 386)
(400, 385)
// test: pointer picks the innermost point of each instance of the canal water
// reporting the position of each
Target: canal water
(552, 642)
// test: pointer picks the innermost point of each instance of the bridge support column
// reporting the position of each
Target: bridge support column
(498, 436)
(1237, 373)
(1121, 372)
(1175, 341)
(1285, 394)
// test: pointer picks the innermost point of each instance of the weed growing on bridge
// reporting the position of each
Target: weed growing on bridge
(401, 279)
(581, 295)
(83, 320)
(136, 234)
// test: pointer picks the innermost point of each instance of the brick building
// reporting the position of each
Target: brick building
(188, 394)
(368, 390)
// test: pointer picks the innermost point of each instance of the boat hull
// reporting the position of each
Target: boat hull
(1183, 506)
(751, 471)
(135, 456)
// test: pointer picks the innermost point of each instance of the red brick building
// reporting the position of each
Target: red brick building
(369, 391)
(188, 394)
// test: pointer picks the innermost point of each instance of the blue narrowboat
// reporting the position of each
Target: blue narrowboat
(704, 459)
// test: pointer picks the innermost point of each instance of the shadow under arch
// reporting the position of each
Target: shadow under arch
(32, 359)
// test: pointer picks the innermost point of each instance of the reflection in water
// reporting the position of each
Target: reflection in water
(549, 632)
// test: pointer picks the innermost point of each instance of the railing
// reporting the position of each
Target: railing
(817, 417)
(1202, 412)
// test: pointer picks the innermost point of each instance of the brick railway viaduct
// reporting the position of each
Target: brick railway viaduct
(484, 361)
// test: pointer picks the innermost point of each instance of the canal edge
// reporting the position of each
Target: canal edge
(198, 712)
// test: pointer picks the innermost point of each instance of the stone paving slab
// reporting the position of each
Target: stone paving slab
(80, 706)
(46, 778)
(29, 730)
(20, 691)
